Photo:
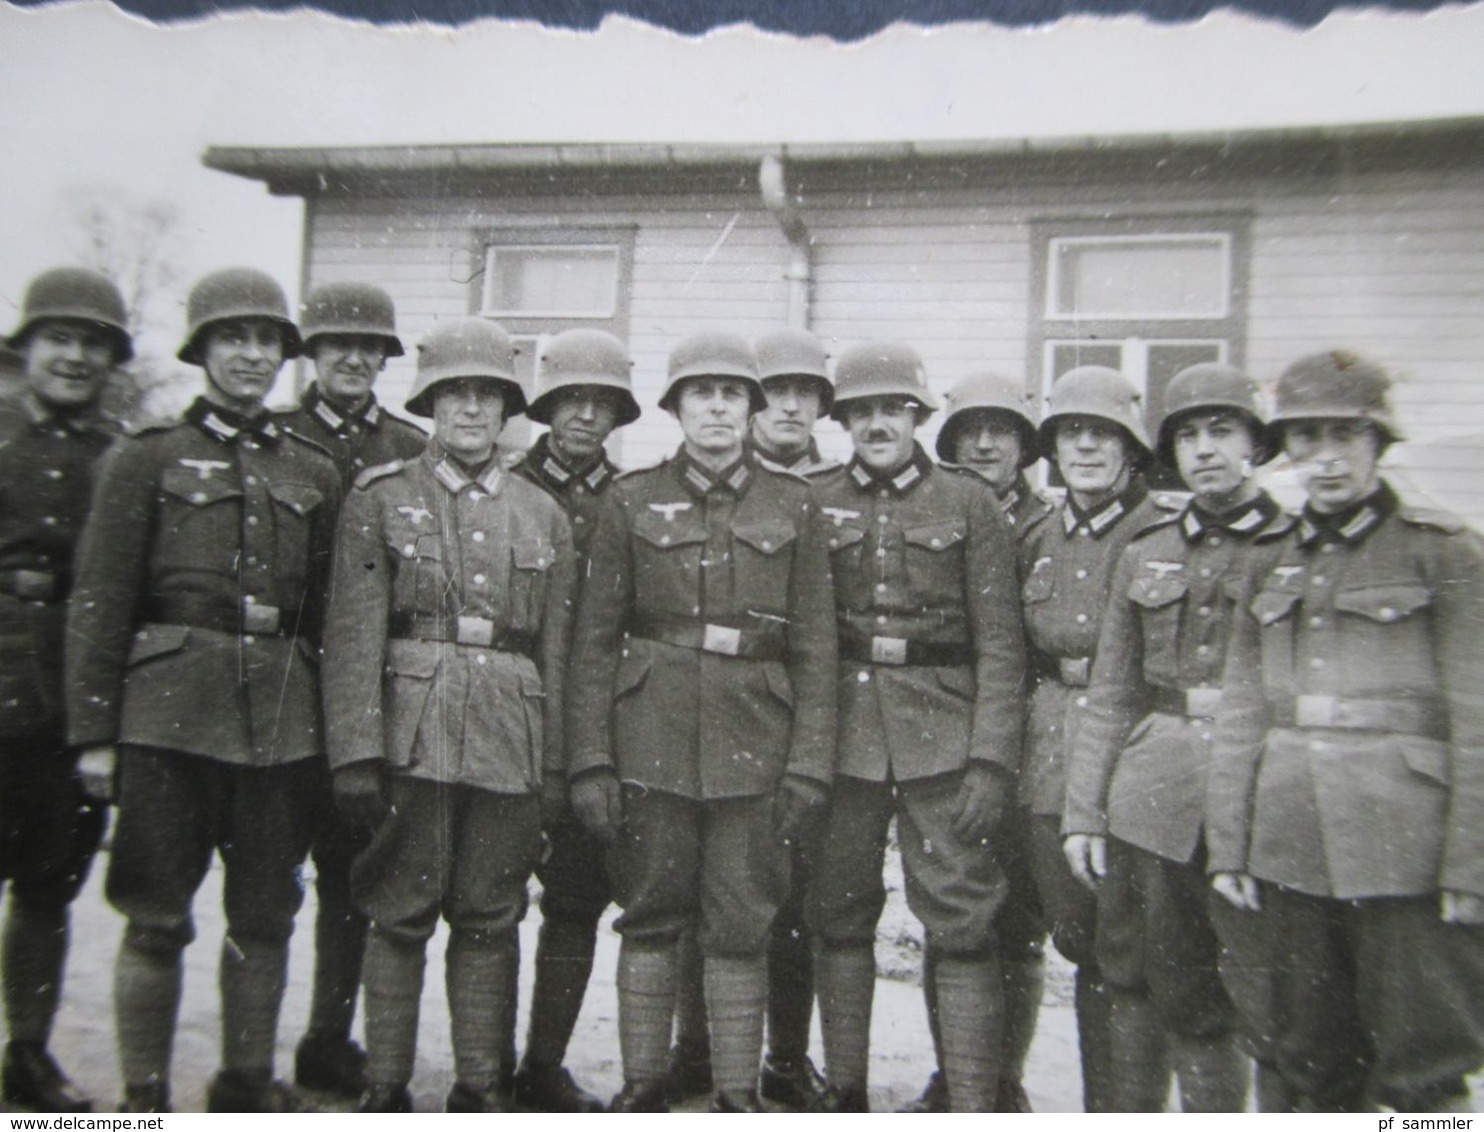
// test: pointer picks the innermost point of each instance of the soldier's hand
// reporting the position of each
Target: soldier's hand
(553, 798)
(95, 767)
(359, 794)
(1087, 857)
(980, 805)
(1239, 890)
(597, 800)
(1462, 908)
(796, 803)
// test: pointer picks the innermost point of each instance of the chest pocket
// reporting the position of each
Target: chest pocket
(1160, 601)
(935, 558)
(667, 562)
(1039, 586)
(763, 564)
(1156, 593)
(1384, 603)
(532, 559)
(420, 579)
(185, 485)
(1272, 606)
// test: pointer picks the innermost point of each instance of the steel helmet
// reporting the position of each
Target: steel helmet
(796, 353)
(713, 353)
(881, 369)
(465, 347)
(236, 292)
(1101, 392)
(1210, 386)
(350, 308)
(81, 295)
(1336, 384)
(989, 392)
(577, 358)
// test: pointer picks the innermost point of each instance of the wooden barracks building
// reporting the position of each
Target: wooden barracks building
(1145, 252)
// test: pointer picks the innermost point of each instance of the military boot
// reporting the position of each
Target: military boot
(32, 1079)
(1024, 983)
(845, 978)
(969, 1008)
(736, 998)
(646, 1006)
(481, 1010)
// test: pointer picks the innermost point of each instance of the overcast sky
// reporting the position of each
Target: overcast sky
(89, 97)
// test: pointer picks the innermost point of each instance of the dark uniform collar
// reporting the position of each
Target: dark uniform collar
(1349, 526)
(1244, 521)
(555, 473)
(336, 421)
(453, 476)
(1020, 488)
(799, 464)
(702, 481)
(900, 482)
(39, 414)
(1100, 520)
(229, 427)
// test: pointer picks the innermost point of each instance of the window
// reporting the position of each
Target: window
(527, 281)
(1144, 295)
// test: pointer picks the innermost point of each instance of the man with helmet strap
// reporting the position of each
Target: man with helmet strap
(192, 635)
(73, 333)
(1136, 798)
(445, 651)
(584, 392)
(1095, 434)
(1345, 808)
(990, 435)
(349, 331)
(796, 382)
(702, 707)
(932, 658)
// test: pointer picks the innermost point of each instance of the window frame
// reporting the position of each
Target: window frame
(486, 242)
(1056, 243)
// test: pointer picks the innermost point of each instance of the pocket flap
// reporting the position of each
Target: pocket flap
(778, 682)
(1155, 593)
(667, 533)
(416, 546)
(418, 659)
(767, 538)
(1428, 757)
(841, 537)
(939, 536)
(1270, 606)
(1384, 603)
(959, 680)
(157, 640)
(1233, 586)
(531, 686)
(632, 670)
(300, 498)
(189, 487)
(533, 554)
(1037, 587)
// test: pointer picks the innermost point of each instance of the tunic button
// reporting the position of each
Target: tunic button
(1316, 622)
(409, 551)
(1388, 614)
(1081, 574)
(881, 518)
(937, 542)
(664, 540)
(1204, 611)
(198, 497)
(1327, 548)
(53, 474)
(881, 552)
(881, 587)
(252, 560)
(578, 519)
(881, 619)
(252, 520)
(1214, 540)
(1205, 571)
(477, 536)
(479, 579)
(1081, 701)
(863, 677)
(249, 640)
(1319, 579)
(251, 480)
(834, 543)
(480, 659)
(1317, 745)
(1202, 650)
(767, 545)
(1082, 619)
(48, 520)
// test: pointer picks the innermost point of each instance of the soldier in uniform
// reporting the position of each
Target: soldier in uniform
(73, 333)
(192, 644)
(585, 392)
(444, 661)
(1136, 798)
(1346, 799)
(990, 435)
(1094, 433)
(703, 713)
(932, 659)
(349, 331)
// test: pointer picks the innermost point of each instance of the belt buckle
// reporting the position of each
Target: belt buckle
(35, 585)
(259, 619)
(478, 631)
(1074, 670)
(721, 639)
(888, 650)
(1202, 703)
(1314, 711)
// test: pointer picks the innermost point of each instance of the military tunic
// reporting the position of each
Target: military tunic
(1349, 779)
(702, 671)
(356, 441)
(1022, 505)
(1139, 768)
(48, 828)
(193, 644)
(931, 670)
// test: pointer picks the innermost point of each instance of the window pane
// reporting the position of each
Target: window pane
(570, 282)
(1142, 277)
(1166, 359)
(1070, 355)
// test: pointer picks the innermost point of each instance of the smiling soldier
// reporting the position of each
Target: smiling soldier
(1346, 799)
(703, 715)
(73, 333)
(192, 645)
(444, 657)
(1137, 785)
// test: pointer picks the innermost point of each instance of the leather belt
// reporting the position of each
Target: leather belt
(723, 640)
(1408, 717)
(249, 619)
(1073, 671)
(479, 632)
(1194, 703)
(900, 652)
(33, 585)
